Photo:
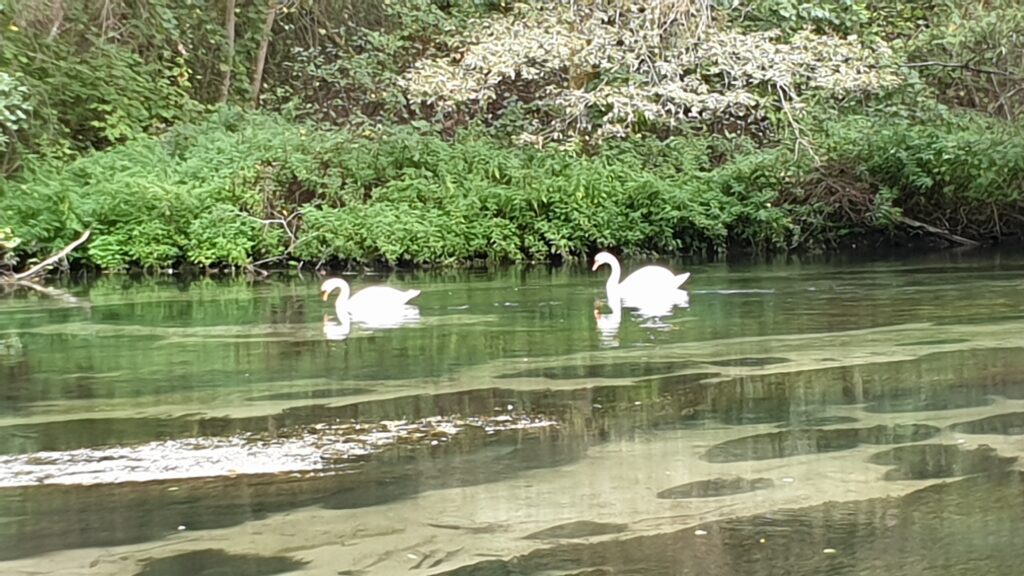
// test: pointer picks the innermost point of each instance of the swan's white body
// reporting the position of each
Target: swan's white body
(658, 304)
(372, 307)
(650, 283)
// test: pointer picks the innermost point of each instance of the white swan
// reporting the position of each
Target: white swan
(370, 302)
(649, 282)
(658, 304)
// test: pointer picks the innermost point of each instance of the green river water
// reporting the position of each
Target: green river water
(835, 416)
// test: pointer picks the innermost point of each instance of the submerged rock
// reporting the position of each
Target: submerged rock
(960, 527)
(213, 561)
(578, 529)
(818, 422)
(749, 362)
(789, 443)
(1009, 424)
(715, 487)
(928, 461)
(627, 369)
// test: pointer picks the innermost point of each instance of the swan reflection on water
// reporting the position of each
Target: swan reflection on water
(608, 324)
(376, 320)
(650, 310)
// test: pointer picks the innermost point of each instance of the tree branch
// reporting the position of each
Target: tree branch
(42, 266)
(937, 64)
(945, 234)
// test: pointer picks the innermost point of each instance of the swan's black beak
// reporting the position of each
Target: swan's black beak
(323, 295)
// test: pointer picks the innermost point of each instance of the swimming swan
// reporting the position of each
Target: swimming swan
(371, 301)
(647, 283)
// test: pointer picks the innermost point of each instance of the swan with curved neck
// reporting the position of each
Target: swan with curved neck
(370, 301)
(645, 283)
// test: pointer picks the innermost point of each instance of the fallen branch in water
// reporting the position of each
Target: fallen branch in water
(23, 279)
(45, 264)
(54, 293)
(945, 234)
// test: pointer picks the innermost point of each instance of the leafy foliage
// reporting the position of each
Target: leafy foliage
(444, 131)
(74, 108)
(973, 55)
(8, 242)
(351, 55)
(966, 175)
(211, 193)
(245, 187)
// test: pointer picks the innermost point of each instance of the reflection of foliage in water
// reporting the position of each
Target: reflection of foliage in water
(10, 346)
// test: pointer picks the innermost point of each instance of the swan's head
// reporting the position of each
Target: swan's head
(332, 284)
(603, 258)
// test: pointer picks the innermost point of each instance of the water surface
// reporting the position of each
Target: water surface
(822, 417)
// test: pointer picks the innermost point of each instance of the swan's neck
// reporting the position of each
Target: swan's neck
(612, 285)
(616, 306)
(341, 304)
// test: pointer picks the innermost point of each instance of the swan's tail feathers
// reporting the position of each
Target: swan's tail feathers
(682, 278)
(411, 294)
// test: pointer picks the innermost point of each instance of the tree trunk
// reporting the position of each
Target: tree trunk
(58, 19)
(229, 60)
(106, 16)
(261, 57)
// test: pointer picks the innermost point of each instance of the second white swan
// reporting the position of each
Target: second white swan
(647, 282)
(370, 301)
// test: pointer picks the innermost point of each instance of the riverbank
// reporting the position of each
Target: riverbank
(425, 133)
(259, 190)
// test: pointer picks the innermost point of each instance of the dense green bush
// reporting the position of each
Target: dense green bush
(87, 98)
(209, 193)
(245, 187)
(965, 173)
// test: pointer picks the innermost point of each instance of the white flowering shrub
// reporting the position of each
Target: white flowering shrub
(8, 242)
(14, 107)
(607, 69)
